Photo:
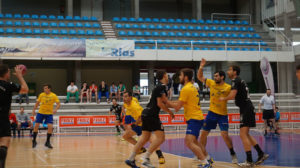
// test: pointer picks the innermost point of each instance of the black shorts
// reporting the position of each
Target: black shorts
(247, 116)
(151, 124)
(119, 117)
(268, 114)
(5, 130)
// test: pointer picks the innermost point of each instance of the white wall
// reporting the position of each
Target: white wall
(281, 6)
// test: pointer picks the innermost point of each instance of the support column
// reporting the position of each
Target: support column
(257, 12)
(135, 73)
(197, 9)
(69, 7)
(97, 9)
(135, 8)
(150, 77)
(282, 77)
(0, 6)
(289, 75)
(78, 73)
(86, 8)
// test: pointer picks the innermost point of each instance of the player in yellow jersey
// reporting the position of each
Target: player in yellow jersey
(133, 123)
(189, 99)
(217, 113)
(46, 101)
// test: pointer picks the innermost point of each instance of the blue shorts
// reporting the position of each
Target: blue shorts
(212, 119)
(41, 117)
(129, 119)
(24, 125)
(194, 127)
(137, 130)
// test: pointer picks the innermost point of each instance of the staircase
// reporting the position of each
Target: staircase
(108, 30)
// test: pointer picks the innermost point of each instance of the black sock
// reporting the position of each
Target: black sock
(249, 156)
(232, 152)
(122, 127)
(3, 153)
(48, 138)
(258, 149)
(118, 129)
(34, 136)
(159, 153)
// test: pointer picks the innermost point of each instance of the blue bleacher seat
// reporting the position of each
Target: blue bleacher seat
(27, 31)
(171, 48)
(178, 21)
(131, 19)
(244, 22)
(151, 26)
(197, 48)
(8, 23)
(19, 31)
(61, 24)
(118, 26)
(204, 48)
(146, 47)
(188, 48)
(130, 33)
(80, 32)
(253, 49)
(199, 28)
(36, 31)
(167, 27)
(243, 29)
(241, 35)
(70, 25)
(171, 34)
(190, 27)
(1, 23)
(195, 34)
(34, 24)
(194, 21)
(245, 49)
(187, 34)
(116, 19)
(90, 32)
(43, 17)
(44, 24)
(211, 35)
(77, 18)
(63, 32)
(229, 49)
(163, 20)
(1, 30)
(98, 33)
(256, 36)
(212, 48)
(182, 27)
(163, 34)
(233, 35)
(202, 35)
(180, 48)
(236, 49)
(143, 26)
(219, 35)
(248, 35)
(230, 22)
(137, 47)
(18, 23)
(78, 25)
(93, 18)
(155, 34)
(34, 16)
(122, 33)
(162, 48)
(170, 20)
(223, 22)
(45, 31)
(216, 22)
(54, 31)
(250, 29)
(140, 20)
(208, 21)
(147, 34)
(263, 43)
(268, 49)
(60, 17)
(124, 19)
(87, 25)
(179, 34)
(155, 20)
(235, 28)
(213, 28)
(65, 38)
(237, 22)
(85, 18)
(8, 15)
(175, 27)
(52, 17)
(135, 26)
(138, 33)
(205, 28)
(228, 28)
(186, 21)
(127, 26)
(53, 24)
(96, 25)
(68, 18)
(17, 16)
(226, 35)
(221, 48)
(148, 20)
(1, 15)
(26, 16)
(159, 27)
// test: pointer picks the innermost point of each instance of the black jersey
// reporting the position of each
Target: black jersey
(242, 97)
(117, 110)
(152, 109)
(6, 90)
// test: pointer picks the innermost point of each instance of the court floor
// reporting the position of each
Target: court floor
(107, 150)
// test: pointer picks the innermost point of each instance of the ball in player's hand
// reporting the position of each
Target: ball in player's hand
(24, 68)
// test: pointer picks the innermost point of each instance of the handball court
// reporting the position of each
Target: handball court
(107, 150)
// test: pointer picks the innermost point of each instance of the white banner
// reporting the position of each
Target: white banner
(109, 48)
(267, 74)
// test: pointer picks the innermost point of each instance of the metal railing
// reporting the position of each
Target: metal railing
(227, 16)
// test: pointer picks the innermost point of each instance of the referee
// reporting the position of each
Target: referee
(268, 103)
(6, 90)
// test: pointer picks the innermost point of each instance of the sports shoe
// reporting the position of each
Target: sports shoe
(161, 160)
(146, 163)
(48, 144)
(131, 163)
(234, 159)
(246, 164)
(142, 150)
(34, 144)
(261, 159)
(211, 160)
(208, 165)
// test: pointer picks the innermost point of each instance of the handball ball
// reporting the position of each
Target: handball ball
(24, 68)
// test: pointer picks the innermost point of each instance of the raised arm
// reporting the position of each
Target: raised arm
(200, 71)
(19, 75)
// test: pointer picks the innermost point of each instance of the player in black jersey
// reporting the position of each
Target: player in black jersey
(240, 92)
(116, 109)
(6, 90)
(151, 121)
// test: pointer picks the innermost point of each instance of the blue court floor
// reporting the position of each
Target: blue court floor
(284, 150)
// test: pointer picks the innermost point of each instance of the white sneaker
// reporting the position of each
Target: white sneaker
(234, 159)
(246, 164)
(146, 163)
(195, 158)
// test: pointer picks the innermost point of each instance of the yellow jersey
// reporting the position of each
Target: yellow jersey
(134, 109)
(217, 91)
(46, 102)
(190, 96)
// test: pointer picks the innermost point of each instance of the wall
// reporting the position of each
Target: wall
(116, 8)
(281, 6)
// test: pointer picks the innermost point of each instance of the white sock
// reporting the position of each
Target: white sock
(204, 161)
(207, 157)
(132, 156)
(147, 155)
